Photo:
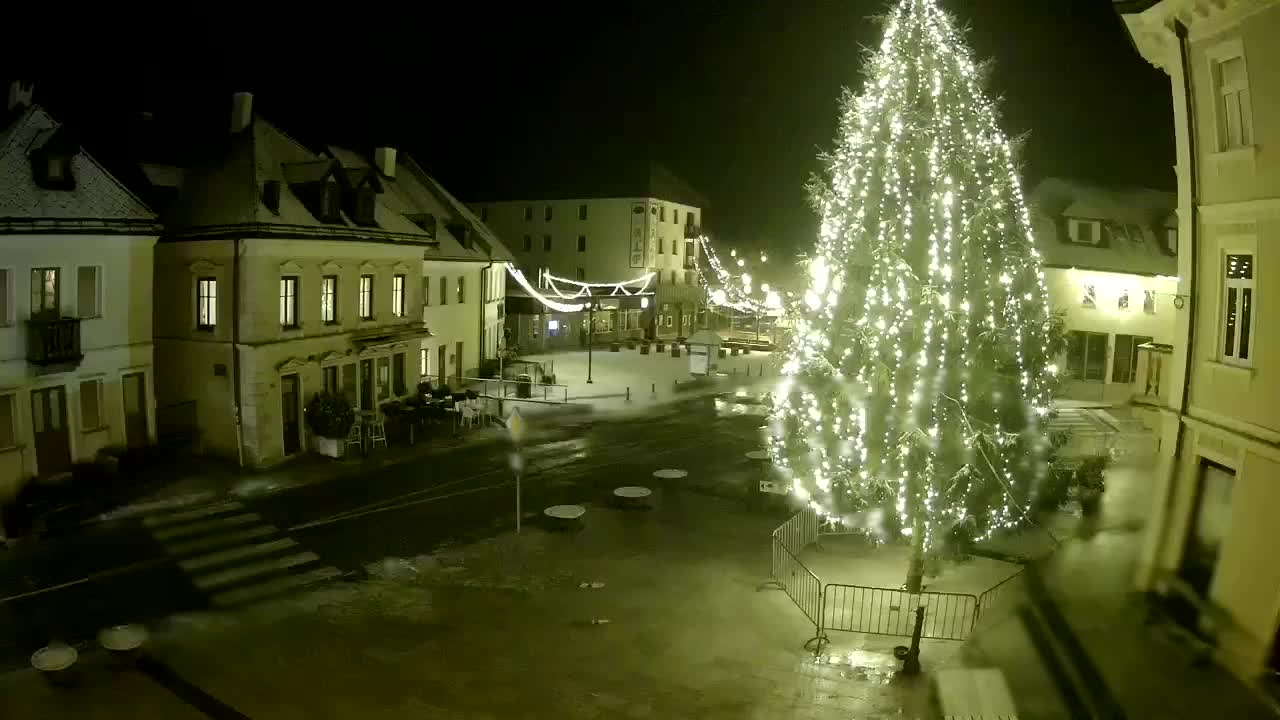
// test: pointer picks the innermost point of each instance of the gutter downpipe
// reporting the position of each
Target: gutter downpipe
(235, 349)
(1193, 183)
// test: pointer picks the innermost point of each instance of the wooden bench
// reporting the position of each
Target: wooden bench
(1187, 616)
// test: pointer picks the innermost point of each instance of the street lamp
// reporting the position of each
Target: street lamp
(591, 331)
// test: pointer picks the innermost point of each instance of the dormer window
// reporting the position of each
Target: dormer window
(1084, 232)
(53, 171)
(364, 206)
(330, 202)
(57, 168)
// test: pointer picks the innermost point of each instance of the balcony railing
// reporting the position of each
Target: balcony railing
(1151, 382)
(53, 341)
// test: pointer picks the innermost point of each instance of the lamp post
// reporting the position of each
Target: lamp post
(591, 329)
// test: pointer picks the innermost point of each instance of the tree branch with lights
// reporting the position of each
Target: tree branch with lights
(920, 370)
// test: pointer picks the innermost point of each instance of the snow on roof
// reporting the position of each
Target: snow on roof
(97, 194)
(1134, 221)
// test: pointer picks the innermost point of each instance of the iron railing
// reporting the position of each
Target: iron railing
(881, 611)
(506, 389)
(998, 597)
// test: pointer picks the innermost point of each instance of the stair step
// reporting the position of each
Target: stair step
(262, 567)
(204, 526)
(189, 515)
(236, 553)
(275, 586)
(145, 508)
(213, 542)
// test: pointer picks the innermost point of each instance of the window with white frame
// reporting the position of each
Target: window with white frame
(329, 299)
(1086, 355)
(289, 301)
(6, 297)
(1238, 300)
(88, 291)
(1234, 107)
(424, 360)
(366, 297)
(1084, 232)
(91, 405)
(46, 291)
(8, 421)
(397, 295)
(206, 303)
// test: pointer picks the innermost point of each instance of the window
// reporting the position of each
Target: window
(330, 202)
(1149, 302)
(1235, 111)
(8, 427)
(546, 214)
(366, 297)
(384, 378)
(1237, 309)
(691, 220)
(397, 374)
(1171, 240)
(1124, 365)
(661, 243)
(330, 373)
(91, 405)
(528, 213)
(6, 305)
(1122, 303)
(206, 303)
(674, 249)
(675, 216)
(528, 243)
(462, 290)
(329, 299)
(582, 211)
(662, 214)
(1084, 232)
(366, 201)
(1090, 297)
(426, 290)
(444, 291)
(673, 277)
(688, 277)
(45, 291)
(581, 275)
(484, 214)
(546, 243)
(582, 243)
(397, 295)
(87, 289)
(289, 302)
(423, 359)
(1086, 355)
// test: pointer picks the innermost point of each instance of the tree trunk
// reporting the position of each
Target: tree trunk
(915, 567)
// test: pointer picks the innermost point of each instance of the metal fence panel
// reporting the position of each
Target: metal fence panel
(798, 532)
(881, 611)
(797, 581)
(998, 600)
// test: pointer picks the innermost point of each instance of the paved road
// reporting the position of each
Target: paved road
(236, 550)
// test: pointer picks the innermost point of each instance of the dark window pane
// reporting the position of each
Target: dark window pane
(1096, 357)
(1229, 335)
(1240, 267)
(1122, 365)
(1246, 312)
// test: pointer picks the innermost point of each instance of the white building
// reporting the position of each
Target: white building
(605, 229)
(284, 272)
(1110, 261)
(75, 302)
(1215, 498)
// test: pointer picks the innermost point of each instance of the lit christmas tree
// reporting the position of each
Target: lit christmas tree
(920, 369)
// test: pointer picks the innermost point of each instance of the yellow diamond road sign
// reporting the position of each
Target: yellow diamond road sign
(516, 425)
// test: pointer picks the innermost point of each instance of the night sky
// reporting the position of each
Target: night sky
(736, 96)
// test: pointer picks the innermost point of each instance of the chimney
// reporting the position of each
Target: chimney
(19, 95)
(241, 111)
(385, 159)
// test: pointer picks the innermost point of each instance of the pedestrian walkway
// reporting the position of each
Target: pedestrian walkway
(230, 555)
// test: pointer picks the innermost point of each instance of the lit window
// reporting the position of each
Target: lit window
(462, 290)
(329, 299)
(1090, 298)
(366, 297)
(289, 302)
(1234, 107)
(1237, 309)
(397, 295)
(423, 359)
(46, 296)
(206, 303)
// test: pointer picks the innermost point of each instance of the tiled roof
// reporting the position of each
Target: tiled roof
(97, 195)
(1140, 216)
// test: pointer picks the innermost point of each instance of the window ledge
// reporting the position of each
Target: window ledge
(1245, 151)
(1230, 368)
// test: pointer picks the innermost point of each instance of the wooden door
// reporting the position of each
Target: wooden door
(135, 409)
(290, 413)
(49, 428)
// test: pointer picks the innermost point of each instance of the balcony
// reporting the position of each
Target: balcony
(53, 341)
(1151, 382)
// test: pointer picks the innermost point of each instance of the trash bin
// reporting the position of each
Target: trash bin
(524, 386)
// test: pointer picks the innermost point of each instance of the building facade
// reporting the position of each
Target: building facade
(284, 272)
(1110, 265)
(1215, 496)
(75, 302)
(613, 232)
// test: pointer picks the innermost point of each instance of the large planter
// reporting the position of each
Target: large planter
(644, 348)
(328, 447)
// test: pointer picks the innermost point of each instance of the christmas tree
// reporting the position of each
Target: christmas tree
(920, 367)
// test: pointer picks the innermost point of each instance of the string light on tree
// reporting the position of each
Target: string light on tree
(919, 367)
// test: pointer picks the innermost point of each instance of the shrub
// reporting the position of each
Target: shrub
(330, 415)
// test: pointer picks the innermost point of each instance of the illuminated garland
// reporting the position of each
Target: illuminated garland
(523, 282)
(734, 292)
(919, 364)
(627, 288)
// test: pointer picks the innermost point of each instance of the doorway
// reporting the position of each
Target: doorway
(1210, 522)
(49, 427)
(366, 384)
(457, 364)
(441, 367)
(135, 409)
(290, 414)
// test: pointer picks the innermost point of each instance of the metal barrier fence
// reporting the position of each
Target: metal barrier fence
(497, 388)
(799, 531)
(880, 611)
(998, 597)
(789, 575)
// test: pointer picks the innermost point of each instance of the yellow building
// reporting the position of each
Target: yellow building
(1216, 490)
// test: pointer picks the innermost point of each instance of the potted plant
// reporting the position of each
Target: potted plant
(1090, 484)
(330, 417)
